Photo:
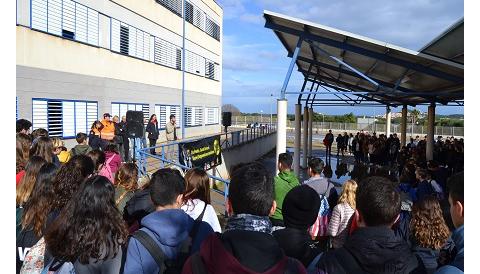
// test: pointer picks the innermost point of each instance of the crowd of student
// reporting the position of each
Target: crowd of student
(383, 150)
(85, 212)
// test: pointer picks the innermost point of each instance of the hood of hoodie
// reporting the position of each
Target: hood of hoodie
(81, 149)
(169, 226)
(378, 251)
(236, 253)
(288, 176)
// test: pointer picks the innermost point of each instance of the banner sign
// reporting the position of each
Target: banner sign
(205, 153)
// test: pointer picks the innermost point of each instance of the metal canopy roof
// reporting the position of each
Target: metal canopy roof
(373, 71)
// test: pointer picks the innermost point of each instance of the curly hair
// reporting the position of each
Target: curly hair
(427, 225)
(89, 226)
(68, 179)
(127, 176)
(23, 150)
(348, 193)
(38, 206)
(24, 189)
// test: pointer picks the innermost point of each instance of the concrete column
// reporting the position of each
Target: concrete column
(281, 128)
(305, 137)
(389, 121)
(298, 138)
(430, 131)
(310, 131)
(403, 129)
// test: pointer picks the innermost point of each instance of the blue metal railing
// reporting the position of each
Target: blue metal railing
(229, 140)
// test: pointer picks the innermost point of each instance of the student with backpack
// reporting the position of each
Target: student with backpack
(101, 166)
(373, 247)
(33, 220)
(88, 235)
(168, 235)
(246, 245)
(328, 197)
(113, 160)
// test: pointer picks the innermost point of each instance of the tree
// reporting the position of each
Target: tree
(231, 108)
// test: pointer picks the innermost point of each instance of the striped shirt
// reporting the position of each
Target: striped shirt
(339, 225)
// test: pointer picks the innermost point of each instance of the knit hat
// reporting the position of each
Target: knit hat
(300, 207)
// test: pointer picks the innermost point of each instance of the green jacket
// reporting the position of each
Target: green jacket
(284, 182)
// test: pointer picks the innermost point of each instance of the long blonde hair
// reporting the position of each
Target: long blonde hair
(348, 193)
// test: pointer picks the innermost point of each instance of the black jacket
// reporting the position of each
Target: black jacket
(298, 244)
(374, 250)
(139, 206)
(152, 130)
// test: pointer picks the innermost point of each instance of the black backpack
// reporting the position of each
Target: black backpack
(167, 266)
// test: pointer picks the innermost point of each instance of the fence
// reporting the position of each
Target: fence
(325, 126)
(169, 156)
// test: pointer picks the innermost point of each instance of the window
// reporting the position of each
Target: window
(65, 18)
(188, 12)
(163, 113)
(193, 116)
(178, 59)
(194, 63)
(212, 28)
(167, 54)
(120, 109)
(212, 116)
(211, 70)
(63, 118)
(173, 5)
(194, 16)
(124, 40)
(129, 40)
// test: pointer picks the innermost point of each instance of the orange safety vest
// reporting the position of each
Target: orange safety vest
(108, 131)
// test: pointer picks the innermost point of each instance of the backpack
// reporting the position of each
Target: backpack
(320, 227)
(167, 266)
(34, 260)
(107, 171)
(58, 267)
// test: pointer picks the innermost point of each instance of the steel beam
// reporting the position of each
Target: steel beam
(290, 68)
(346, 46)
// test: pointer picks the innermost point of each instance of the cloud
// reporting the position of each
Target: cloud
(407, 23)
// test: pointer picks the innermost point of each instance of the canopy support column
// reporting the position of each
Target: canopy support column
(281, 127)
(389, 121)
(310, 131)
(403, 128)
(305, 137)
(430, 131)
(297, 141)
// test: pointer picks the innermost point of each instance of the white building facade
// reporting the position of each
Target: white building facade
(79, 59)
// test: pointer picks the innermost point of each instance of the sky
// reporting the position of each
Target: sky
(255, 62)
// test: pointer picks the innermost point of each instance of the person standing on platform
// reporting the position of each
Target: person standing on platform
(152, 129)
(126, 142)
(328, 141)
(108, 131)
(171, 133)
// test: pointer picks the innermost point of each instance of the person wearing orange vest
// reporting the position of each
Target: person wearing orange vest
(108, 131)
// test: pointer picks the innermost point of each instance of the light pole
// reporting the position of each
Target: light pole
(271, 112)
(182, 113)
(261, 117)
